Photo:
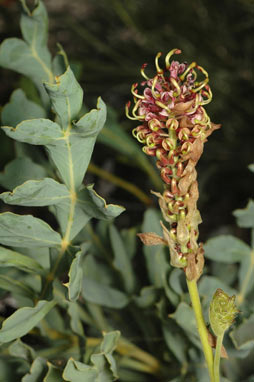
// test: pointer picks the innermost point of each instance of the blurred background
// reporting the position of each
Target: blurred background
(107, 41)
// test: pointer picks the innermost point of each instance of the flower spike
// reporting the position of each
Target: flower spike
(174, 127)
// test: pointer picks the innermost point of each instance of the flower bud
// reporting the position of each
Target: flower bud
(222, 312)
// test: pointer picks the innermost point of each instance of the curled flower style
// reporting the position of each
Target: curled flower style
(173, 128)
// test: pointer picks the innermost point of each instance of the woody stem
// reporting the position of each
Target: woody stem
(195, 300)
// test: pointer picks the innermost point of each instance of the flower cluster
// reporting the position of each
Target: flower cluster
(173, 128)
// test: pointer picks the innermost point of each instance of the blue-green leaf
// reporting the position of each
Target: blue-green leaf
(62, 213)
(72, 155)
(9, 258)
(30, 57)
(76, 371)
(243, 335)
(26, 231)
(54, 374)
(185, 318)
(104, 369)
(251, 167)
(70, 150)
(22, 350)
(36, 132)
(103, 294)
(245, 216)
(16, 287)
(75, 277)
(19, 171)
(226, 249)
(148, 296)
(153, 254)
(104, 360)
(75, 322)
(66, 97)
(20, 108)
(95, 206)
(43, 192)
(37, 372)
(175, 341)
(246, 277)
(121, 260)
(23, 320)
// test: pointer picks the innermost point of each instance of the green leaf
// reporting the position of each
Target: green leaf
(70, 150)
(104, 295)
(76, 371)
(209, 284)
(37, 193)
(75, 322)
(245, 216)
(37, 372)
(109, 342)
(246, 277)
(62, 213)
(19, 171)
(75, 277)
(175, 281)
(66, 97)
(20, 108)
(36, 132)
(175, 340)
(226, 272)
(104, 361)
(243, 335)
(121, 260)
(95, 206)
(156, 259)
(97, 270)
(72, 156)
(30, 57)
(9, 258)
(185, 318)
(16, 287)
(129, 237)
(226, 249)
(53, 375)
(148, 297)
(251, 167)
(22, 350)
(26, 231)
(153, 254)
(23, 320)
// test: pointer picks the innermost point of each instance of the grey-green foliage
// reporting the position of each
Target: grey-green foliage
(68, 140)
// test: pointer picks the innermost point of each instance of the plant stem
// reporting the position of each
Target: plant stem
(217, 358)
(121, 183)
(195, 300)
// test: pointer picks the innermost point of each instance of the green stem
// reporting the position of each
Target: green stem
(121, 183)
(194, 296)
(217, 358)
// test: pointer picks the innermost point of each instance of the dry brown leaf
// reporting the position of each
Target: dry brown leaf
(151, 238)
